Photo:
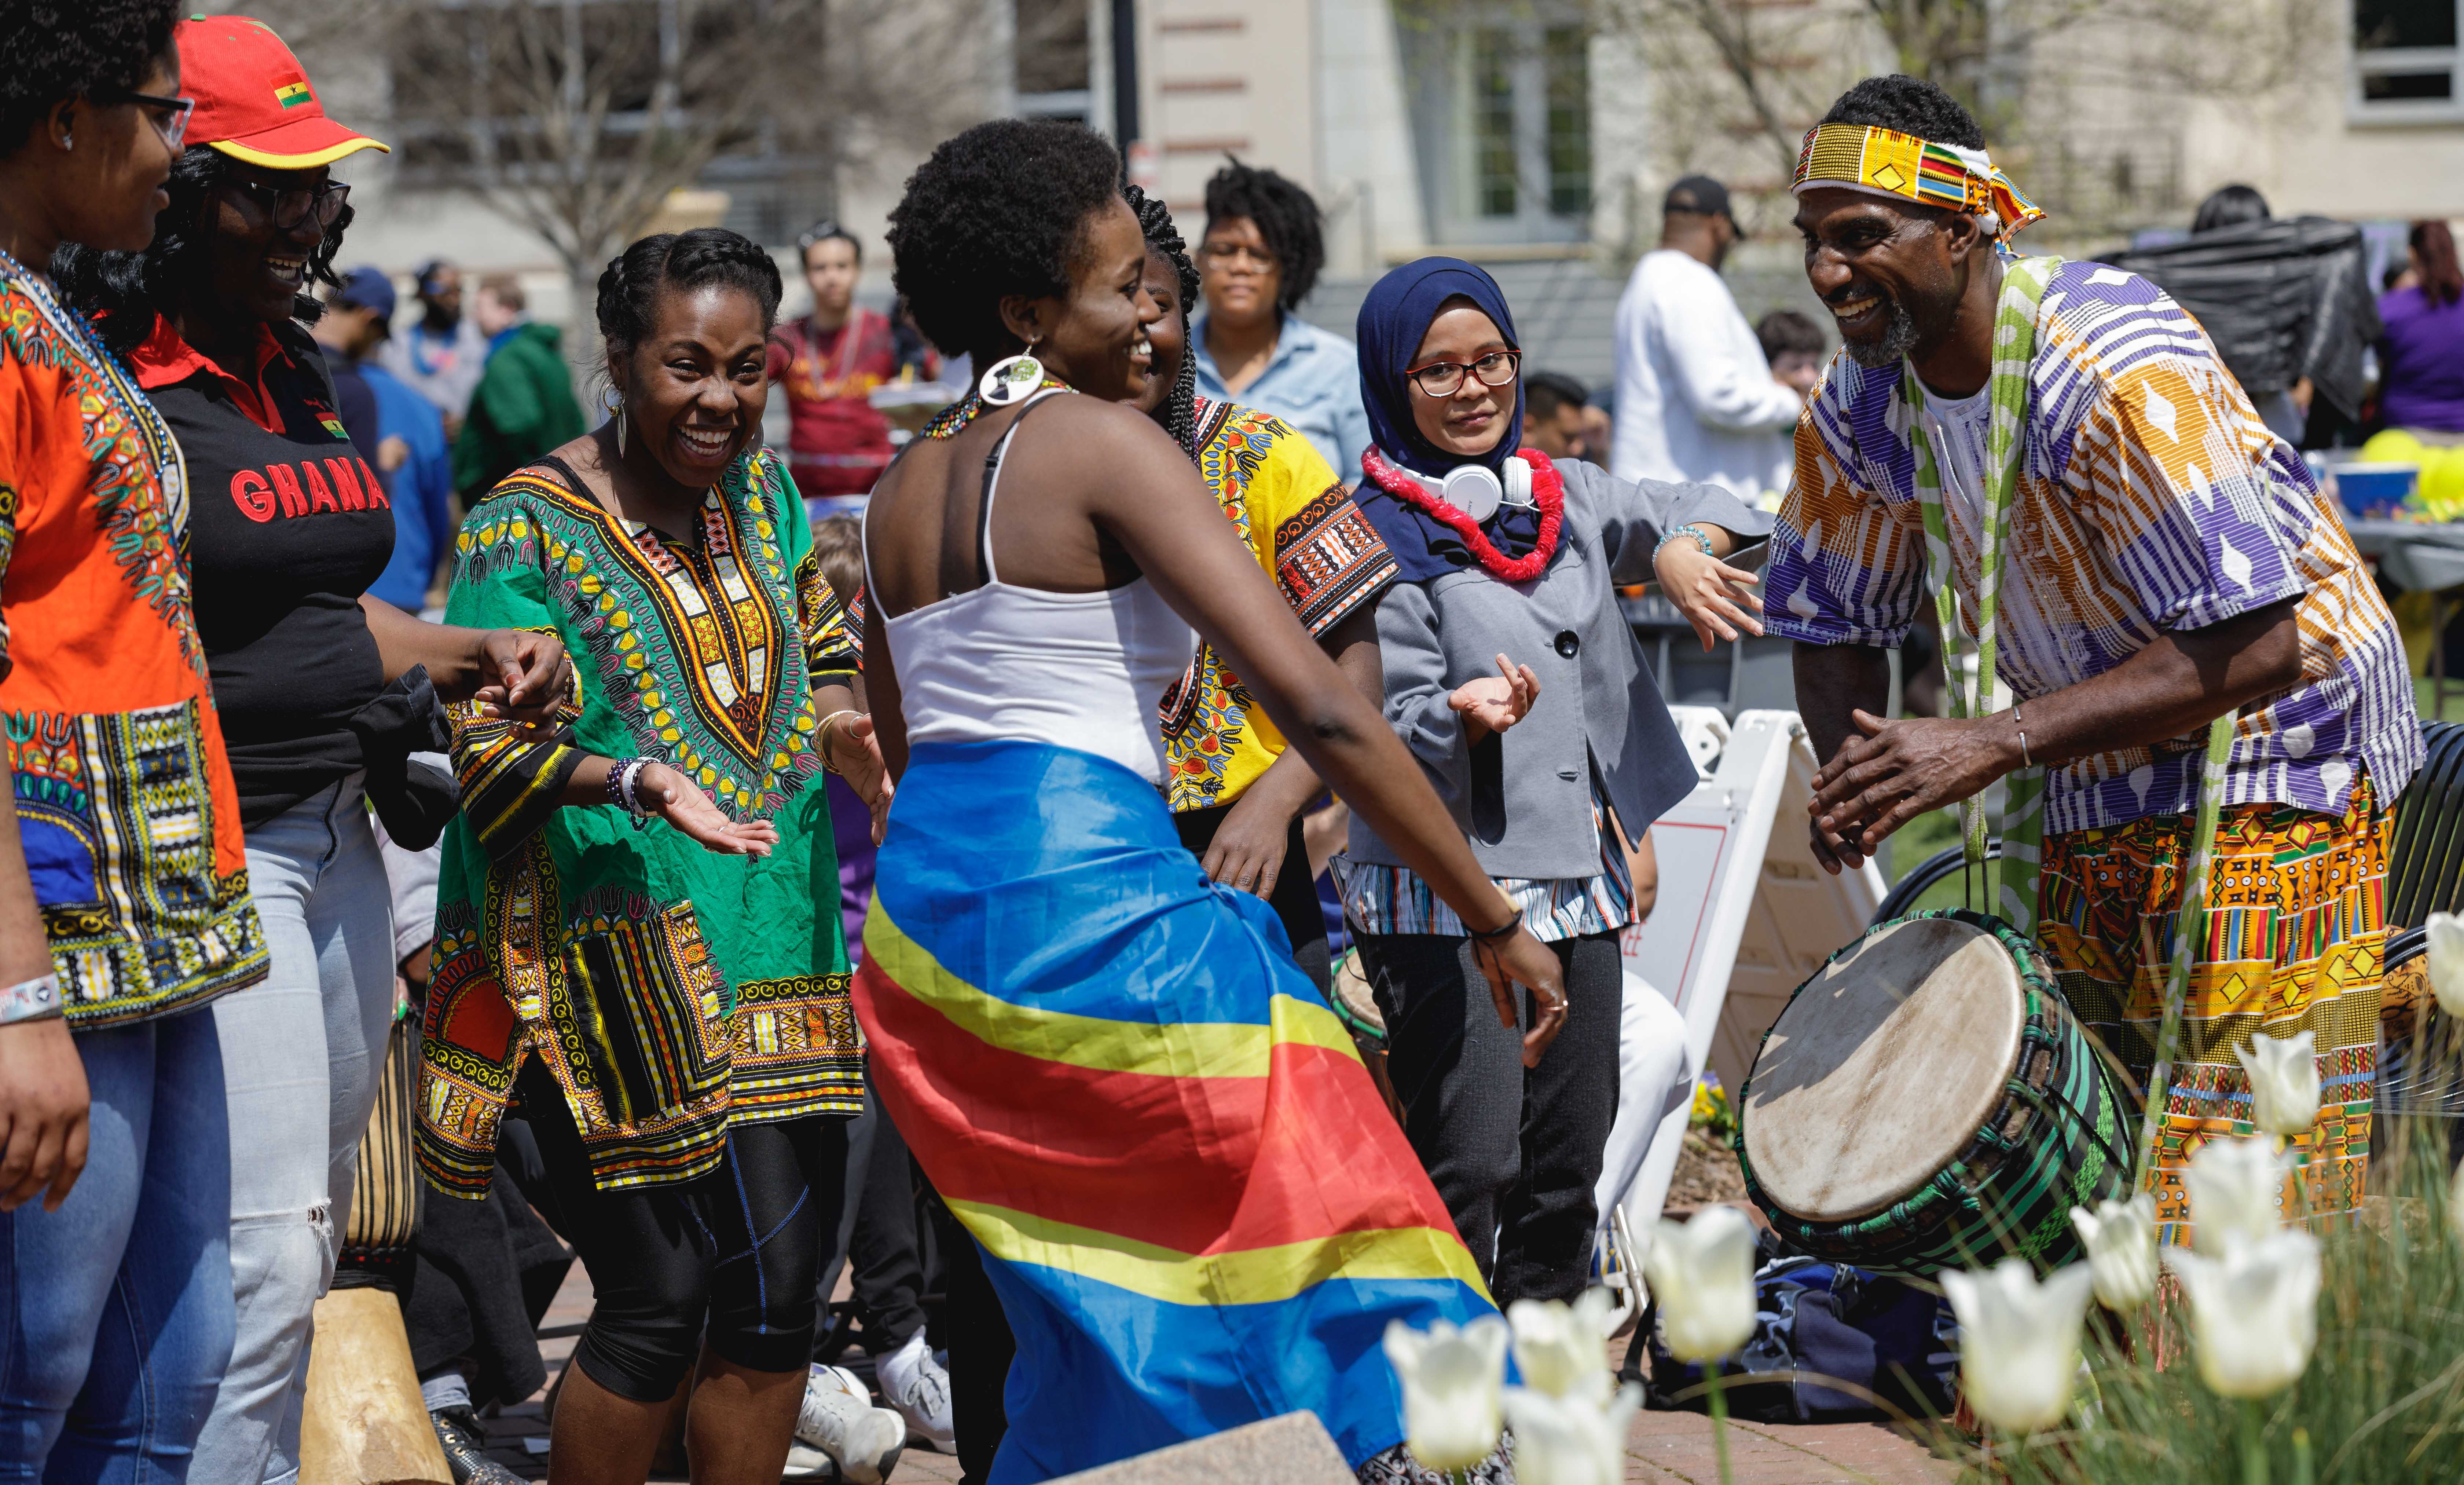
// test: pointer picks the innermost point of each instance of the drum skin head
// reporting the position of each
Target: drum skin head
(1883, 1068)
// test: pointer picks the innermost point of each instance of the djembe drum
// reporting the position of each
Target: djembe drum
(1926, 1100)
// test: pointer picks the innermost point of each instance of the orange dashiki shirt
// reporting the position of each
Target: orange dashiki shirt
(125, 807)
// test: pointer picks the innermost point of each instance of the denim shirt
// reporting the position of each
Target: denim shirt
(1313, 382)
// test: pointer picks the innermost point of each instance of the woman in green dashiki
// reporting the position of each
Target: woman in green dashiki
(637, 934)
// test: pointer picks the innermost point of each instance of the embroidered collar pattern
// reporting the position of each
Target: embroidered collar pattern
(1548, 492)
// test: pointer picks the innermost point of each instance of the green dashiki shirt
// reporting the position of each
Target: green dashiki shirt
(668, 988)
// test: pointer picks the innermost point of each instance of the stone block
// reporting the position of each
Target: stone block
(1292, 1450)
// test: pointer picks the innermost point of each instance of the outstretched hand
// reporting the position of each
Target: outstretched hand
(1495, 702)
(1896, 772)
(855, 752)
(1715, 598)
(672, 797)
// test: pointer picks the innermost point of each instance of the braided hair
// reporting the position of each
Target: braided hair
(1286, 217)
(1178, 413)
(129, 289)
(630, 289)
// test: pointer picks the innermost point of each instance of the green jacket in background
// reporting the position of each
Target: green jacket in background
(522, 408)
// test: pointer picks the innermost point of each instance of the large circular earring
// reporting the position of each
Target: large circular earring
(1013, 379)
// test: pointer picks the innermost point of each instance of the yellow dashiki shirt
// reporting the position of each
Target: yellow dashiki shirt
(1285, 501)
(669, 989)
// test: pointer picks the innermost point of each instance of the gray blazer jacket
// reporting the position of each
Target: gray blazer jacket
(1523, 797)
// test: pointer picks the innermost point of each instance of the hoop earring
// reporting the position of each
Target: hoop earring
(1013, 379)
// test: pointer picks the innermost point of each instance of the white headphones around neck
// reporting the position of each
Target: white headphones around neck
(1477, 491)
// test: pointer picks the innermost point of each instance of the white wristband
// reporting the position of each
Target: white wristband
(32, 1000)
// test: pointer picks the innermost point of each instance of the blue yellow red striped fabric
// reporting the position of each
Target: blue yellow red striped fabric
(1193, 1204)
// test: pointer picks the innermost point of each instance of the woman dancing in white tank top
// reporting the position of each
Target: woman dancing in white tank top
(1191, 1201)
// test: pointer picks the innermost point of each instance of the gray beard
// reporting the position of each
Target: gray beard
(1898, 338)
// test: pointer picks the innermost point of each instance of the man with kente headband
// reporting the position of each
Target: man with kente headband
(2172, 626)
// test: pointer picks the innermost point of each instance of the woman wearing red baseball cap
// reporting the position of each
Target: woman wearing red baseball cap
(324, 691)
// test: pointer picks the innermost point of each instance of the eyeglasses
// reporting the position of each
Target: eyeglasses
(1445, 378)
(1226, 253)
(173, 128)
(291, 204)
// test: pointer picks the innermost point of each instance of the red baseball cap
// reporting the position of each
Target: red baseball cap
(253, 98)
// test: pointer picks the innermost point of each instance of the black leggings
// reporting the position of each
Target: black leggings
(1295, 896)
(1513, 1153)
(730, 1255)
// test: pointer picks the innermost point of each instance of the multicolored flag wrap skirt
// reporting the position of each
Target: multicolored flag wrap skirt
(1190, 1200)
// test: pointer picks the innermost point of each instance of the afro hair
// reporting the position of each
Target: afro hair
(1909, 106)
(53, 50)
(1286, 217)
(999, 210)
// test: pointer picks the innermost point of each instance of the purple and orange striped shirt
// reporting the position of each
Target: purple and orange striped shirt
(2152, 498)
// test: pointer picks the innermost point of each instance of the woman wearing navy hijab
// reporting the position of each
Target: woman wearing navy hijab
(1512, 676)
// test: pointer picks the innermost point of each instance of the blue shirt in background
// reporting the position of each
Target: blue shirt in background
(1313, 382)
(423, 489)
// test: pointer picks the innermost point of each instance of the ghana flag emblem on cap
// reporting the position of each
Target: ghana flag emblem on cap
(255, 101)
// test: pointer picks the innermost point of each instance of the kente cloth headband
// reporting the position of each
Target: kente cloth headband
(1892, 163)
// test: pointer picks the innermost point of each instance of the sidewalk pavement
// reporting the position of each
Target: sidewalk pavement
(1665, 1448)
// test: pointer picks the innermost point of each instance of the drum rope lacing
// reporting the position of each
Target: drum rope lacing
(2018, 799)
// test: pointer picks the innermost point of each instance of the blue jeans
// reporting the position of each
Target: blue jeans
(301, 1055)
(117, 1306)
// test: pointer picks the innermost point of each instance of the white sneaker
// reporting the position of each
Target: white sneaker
(913, 1382)
(838, 1418)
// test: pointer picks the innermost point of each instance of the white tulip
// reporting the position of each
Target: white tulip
(1451, 1379)
(1570, 1440)
(2254, 1312)
(2018, 1341)
(2236, 1189)
(1703, 1275)
(1562, 1348)
(2447, 962)
(2283, 1082)
(2121, 1239)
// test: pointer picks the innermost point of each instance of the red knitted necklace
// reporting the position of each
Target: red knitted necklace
(1548, 492)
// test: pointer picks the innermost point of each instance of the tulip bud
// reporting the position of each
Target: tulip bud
(1570, 1440)
(2283, 1082)
(1562, 1348)
(2236, 1190)
(2121, 1240)
(2254, 1312)
(1451, 1379)
(1703, 1275)
(2447, 962)
(2018, 1341)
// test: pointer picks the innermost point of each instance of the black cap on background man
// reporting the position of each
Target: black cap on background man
(1698, 221)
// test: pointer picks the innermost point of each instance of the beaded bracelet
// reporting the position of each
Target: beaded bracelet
(1700, 536)
(621, 777)
(37, 999)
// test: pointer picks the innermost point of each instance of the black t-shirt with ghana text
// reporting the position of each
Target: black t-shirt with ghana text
(288, 527)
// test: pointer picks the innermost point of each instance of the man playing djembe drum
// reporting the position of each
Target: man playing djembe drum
(2145, 558)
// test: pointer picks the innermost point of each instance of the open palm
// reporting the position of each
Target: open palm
(672, 797)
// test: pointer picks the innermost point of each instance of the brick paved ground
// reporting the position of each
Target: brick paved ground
(1665, 1449)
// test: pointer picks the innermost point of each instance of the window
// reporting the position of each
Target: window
(1501, 107)
(2405, 60)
